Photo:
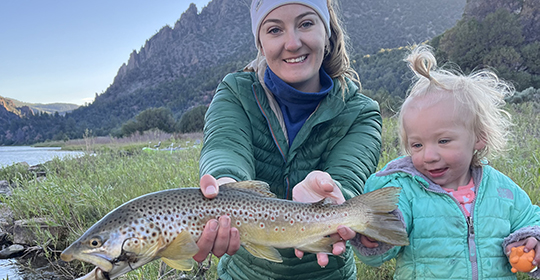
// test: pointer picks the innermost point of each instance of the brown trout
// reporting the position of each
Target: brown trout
(167, 224)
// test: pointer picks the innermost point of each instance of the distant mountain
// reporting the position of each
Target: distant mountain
(50, 108)
(20, 108)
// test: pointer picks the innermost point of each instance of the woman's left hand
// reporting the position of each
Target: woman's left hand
(318, 185)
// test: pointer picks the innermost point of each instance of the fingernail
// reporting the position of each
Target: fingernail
(211, 190)
(224, 221)
(213, 225)
(341, 231)
(325, 182)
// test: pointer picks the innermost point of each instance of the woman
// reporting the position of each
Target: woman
(293, 118)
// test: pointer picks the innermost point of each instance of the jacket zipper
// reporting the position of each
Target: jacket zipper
(470, 232)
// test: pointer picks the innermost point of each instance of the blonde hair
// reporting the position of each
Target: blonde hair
(336, 62)
(478, 97)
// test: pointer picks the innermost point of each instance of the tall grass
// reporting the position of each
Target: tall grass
(79, 191)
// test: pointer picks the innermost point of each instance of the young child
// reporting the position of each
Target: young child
(462, 215)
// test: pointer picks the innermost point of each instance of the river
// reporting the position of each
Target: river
(11, 269)
(31, 155)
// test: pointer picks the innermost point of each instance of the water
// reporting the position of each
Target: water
(14, 154)
(31, 155)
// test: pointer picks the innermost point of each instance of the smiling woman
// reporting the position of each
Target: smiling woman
(290, 119)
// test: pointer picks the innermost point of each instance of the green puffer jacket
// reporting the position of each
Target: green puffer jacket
(243, 139)
(444, 243)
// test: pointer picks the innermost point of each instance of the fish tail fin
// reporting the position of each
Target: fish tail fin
(382, 224)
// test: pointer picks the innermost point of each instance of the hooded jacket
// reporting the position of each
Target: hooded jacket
(244, 139)
(444, 243)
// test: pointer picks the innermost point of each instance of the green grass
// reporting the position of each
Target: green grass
(79, 191)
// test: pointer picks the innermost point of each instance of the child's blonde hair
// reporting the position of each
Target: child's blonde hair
(478, 99)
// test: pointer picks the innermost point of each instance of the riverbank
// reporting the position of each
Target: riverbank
(78, 192)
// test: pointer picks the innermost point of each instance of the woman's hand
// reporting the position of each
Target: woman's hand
(318, 185)
(218, 237)
(530, 243)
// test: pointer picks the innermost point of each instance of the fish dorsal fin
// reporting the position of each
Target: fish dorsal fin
(179, 252)
(263, 252)
(324, 201)
(252, 186)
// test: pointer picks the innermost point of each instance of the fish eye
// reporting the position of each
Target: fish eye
(95, 242)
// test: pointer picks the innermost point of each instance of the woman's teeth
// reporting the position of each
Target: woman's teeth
(296, 60)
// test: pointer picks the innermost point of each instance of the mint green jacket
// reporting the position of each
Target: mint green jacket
(243, 139)
(444, 243)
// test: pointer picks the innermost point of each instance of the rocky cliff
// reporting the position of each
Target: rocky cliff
(220, 34)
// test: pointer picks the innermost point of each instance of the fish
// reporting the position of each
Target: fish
(167, 224)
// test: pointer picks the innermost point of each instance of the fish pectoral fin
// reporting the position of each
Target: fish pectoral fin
(264, 252)
(185, 264)
(181, 248)
(179, 252)
(323, 245)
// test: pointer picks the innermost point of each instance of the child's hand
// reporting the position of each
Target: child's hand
(368, 242)
(530, 243)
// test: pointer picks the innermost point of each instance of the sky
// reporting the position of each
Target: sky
(66, 51)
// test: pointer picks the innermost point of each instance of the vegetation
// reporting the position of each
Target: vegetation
(474, 44)
(80, 191)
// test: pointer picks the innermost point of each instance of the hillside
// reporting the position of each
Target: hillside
(180, 66)
(220, 35)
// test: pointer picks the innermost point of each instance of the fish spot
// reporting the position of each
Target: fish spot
(276, 229)
(238, 223)
(291, 222)
(262, 225)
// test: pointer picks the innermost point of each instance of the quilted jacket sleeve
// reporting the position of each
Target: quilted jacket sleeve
(355, 157)
(227, 150)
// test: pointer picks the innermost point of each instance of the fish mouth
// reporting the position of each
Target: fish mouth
(103, 263)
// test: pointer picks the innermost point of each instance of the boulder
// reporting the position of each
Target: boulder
(5, 188)
(12, 251)
(24, 231)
